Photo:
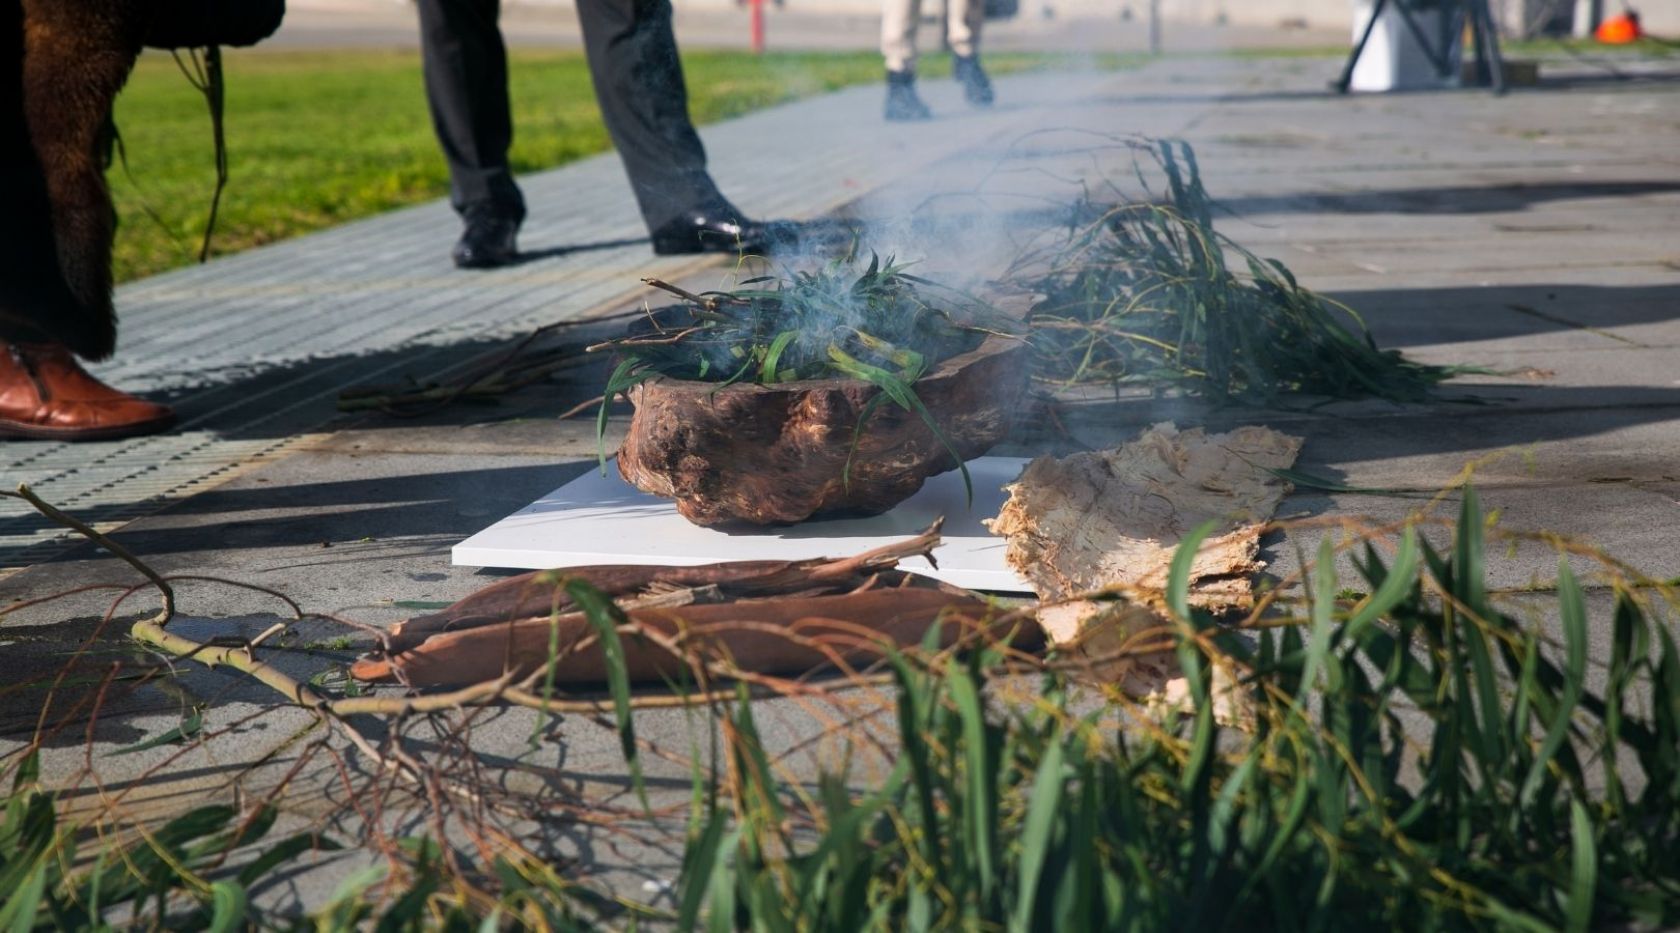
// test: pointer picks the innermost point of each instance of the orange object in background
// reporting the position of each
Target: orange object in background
(1620, 29)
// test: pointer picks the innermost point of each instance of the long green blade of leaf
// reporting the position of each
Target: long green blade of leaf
(605, 617)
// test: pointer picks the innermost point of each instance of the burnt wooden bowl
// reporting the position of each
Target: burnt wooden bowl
(777, 454)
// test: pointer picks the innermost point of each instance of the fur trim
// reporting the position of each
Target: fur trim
(55, 274)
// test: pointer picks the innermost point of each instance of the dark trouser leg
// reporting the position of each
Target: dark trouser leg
(466, 88)
(639, 83)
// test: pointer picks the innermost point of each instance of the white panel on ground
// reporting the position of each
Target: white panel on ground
(597, 519)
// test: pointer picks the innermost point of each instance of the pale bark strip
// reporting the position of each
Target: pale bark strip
(1110, 520)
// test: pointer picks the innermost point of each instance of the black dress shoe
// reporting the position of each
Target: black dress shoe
(488, 240)
(716, 228)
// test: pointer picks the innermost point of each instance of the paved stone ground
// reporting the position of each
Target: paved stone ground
(1531, 234)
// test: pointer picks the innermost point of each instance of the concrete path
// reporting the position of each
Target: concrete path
(1532, 234)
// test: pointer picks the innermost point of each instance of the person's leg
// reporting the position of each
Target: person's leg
(75, 59)
(465, 67)
(899, 19)
(28, 255)
(963, 22)
(55, 274)
(898, 47)
(639, 84)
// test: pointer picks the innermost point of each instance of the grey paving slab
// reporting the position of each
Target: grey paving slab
(1405, 261)
(1419, 450)
(1627, 521)
(1547, 313)
(1552, 448)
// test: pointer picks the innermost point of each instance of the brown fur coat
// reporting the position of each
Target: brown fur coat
(62, 63)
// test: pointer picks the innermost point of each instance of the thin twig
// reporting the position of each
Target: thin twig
(709, 303)
(85, 530)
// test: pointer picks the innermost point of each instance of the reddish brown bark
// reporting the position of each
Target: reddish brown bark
(779, 454)
(760, 616)
(781, 635)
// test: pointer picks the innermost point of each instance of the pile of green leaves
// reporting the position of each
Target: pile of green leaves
(1145, 292)
(1423, 762)
(180, 877)
(171, 876)
(832, 321)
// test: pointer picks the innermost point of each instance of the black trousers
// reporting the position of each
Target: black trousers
(638, 80)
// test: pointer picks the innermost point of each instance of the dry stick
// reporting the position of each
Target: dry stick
(378, 634)
(579, 409)
(152, 632)
(671, 337)
(168, 595)
(62, 594)
(77, 525)
(478, 381)
(710, 304)
(272, 630)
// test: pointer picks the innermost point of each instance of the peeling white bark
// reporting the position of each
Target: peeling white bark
(1111, 520)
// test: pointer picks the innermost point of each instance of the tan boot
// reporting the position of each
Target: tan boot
(45, 394)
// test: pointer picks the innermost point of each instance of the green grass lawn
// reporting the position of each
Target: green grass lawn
(1647, 47)
(319, 138)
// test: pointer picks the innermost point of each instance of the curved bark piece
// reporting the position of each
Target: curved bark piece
(543, 593)
(782, 635)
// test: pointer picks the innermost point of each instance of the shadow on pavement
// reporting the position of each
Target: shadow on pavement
(1403, 318)
(1466, 199)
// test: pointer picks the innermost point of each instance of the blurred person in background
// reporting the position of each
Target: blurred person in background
(963, 21)
(632, 54)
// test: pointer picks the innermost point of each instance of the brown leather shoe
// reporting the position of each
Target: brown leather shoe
(45, 394)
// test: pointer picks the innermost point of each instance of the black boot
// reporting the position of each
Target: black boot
(902, 102)
(976, 86)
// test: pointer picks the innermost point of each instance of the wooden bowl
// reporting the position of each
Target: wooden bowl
(777, 454)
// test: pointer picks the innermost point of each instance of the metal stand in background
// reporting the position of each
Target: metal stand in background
(1484, 37)
(1154, 27)
(755, 26)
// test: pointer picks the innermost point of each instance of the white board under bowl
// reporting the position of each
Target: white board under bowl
(597, 519)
